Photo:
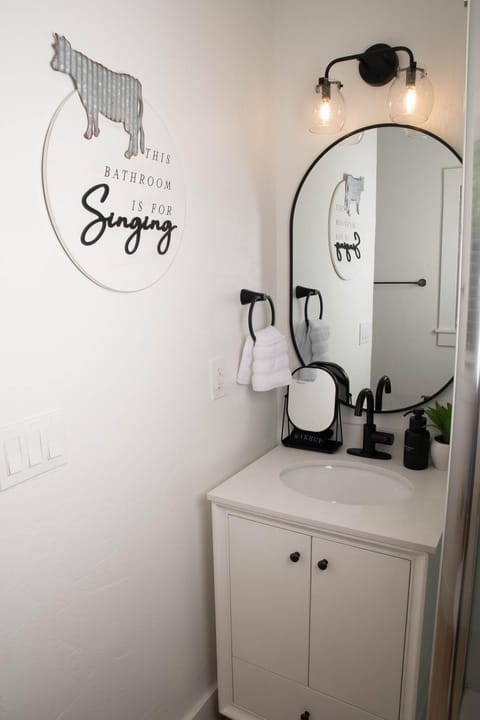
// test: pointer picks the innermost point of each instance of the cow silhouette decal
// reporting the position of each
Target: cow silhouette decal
(117, 96)
(353, 191)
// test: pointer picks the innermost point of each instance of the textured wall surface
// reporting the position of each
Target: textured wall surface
(106, 599)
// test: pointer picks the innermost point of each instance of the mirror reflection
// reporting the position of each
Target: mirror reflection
(374, 251)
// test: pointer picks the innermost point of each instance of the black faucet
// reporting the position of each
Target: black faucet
(370, 434)
(383, 384)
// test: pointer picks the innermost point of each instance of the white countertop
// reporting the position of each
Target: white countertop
(415, 523)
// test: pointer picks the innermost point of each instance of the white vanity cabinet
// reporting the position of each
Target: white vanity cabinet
(314, 625)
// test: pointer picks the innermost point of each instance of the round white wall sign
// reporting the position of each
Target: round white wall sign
(345, 229)
(120, 219)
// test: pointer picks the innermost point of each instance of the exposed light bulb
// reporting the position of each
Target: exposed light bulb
(325, 110)
(410, 99)
(411, 96)
(328, 111)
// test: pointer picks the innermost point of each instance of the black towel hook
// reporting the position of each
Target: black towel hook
(301, 291)
(250, 296)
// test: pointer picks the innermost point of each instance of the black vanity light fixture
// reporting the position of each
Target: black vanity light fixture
(410, 97)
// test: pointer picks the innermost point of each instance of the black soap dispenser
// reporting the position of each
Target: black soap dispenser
(417, 442)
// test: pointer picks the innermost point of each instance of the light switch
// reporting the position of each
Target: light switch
(13, 454)
(34, 447)
(365, 333)
(54, 441)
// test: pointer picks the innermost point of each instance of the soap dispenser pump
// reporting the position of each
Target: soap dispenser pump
(417, 441)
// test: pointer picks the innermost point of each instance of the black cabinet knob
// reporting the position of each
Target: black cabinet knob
(305, 715)
(322, 564)
(295, 557)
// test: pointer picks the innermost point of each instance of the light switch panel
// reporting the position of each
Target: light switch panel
(30, 448)
(13, 454)
(34, 447)
(365, 333)
(54, 441)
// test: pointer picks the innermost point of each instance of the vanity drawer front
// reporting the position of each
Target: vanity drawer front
(274, 698)
(270, 597)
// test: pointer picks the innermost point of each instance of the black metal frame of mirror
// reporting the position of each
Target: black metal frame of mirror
(425, 398)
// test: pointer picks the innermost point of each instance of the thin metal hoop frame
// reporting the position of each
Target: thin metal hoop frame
(250, 314)
(307, 293)
(250, 296)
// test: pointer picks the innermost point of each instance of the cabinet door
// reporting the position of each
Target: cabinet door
(270, 586)
(358, 621)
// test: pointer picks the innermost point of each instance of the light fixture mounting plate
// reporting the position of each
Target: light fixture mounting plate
(378, 64)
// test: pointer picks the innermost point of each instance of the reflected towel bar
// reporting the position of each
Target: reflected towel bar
(301, 291)
(421, 282)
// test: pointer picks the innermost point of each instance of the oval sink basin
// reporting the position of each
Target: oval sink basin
(347, 483)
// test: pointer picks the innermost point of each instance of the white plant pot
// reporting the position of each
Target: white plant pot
(439, 452)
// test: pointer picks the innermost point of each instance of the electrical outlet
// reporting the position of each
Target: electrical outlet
(217, 378)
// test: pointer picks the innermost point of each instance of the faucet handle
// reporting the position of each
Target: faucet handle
(384, 438)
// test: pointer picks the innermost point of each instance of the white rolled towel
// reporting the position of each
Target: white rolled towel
(319, 333)
(244, 375)
(304, 342)
(265, 362)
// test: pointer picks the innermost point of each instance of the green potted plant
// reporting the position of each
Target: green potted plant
(440, 417)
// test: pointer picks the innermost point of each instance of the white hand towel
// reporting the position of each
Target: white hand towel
(265, 365)
(306, 374)
(268, 381)
(270, 360)
(304, 343)
(244, 375)
(265, 362)
(319, 334)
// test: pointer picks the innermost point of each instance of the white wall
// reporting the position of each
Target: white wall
(106, 609)
(308, 35)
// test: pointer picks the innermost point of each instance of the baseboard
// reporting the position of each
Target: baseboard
(206, 708)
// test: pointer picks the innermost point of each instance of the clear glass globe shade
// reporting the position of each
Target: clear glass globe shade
(328, 112)
(410, 103)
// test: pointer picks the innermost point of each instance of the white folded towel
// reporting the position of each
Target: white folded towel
(319, 334)
(265, 362)
(304, 342)
(312, 341)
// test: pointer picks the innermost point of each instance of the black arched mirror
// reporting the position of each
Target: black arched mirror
(374, 233)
